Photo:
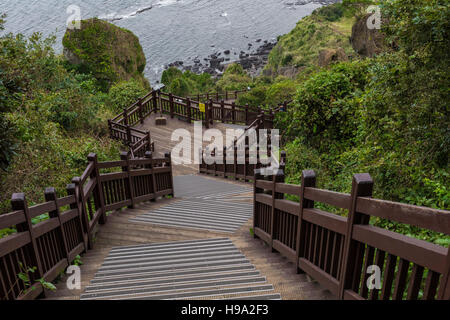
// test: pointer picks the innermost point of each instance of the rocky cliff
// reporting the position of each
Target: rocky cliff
(109, 52)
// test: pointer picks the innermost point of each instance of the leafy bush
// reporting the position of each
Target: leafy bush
(281, 91)
(234, 78)
(330, 13)
(325, 107)
(50, 120)
(186, 83)
(123, 94)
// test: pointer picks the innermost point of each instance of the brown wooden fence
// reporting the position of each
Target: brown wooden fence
(217, 96)
(225, 163)
(122, 126)
(337, 250)
(53, 244)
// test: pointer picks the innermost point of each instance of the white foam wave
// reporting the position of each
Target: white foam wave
(165, 3)
(115, 17)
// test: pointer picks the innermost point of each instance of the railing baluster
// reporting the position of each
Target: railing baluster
(19, 202)
(362, 187)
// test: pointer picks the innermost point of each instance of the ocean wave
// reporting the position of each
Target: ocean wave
(165, 3)
(115, 17)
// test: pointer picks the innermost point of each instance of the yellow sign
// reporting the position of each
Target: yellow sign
(202, 107)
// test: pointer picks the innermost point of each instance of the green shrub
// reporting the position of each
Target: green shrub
(325, 106)
(280, 92)
(330, 13)
(179, 87)
(169, 75)
(123, 94)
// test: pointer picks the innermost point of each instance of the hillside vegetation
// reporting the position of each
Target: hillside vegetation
(51, 117)
(386, 113)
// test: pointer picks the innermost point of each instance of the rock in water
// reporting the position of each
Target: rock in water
(109, 52)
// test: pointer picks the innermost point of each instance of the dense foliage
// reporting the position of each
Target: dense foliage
(388, 116)
(108, 52)
(51, 118)
(186, 83)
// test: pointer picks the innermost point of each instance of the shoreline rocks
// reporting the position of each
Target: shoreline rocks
(252, 61)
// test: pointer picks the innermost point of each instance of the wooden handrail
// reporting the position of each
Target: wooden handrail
(337, 250)
(53, 244)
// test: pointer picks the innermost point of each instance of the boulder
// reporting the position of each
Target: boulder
(289, 71)
(328, 56)
(110, 53)
(367, 42)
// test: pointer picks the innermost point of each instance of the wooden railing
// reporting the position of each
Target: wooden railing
(221, 163)
(337, 251)
(52, 245)
(217, 96)
(122, 126)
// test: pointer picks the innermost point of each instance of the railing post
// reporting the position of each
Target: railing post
(277, 177)
(222, 110)
(155, 101)
(246, 157)
(168, 157)
(263, 120)
(210, 109)
(233, 112)
(235, 94)
(271, 118)
(362, 186)
(235, 164)
(217, 96)
(308, 181)
(256, 176)
(171, 106)
(72, 190)
(98, 191)
(207, 115)
(129, 186)
(226, 95)
(50, 195)
(18, 202)
(246, 114)
(81, 201)
(141, 116)
(129, 137)
(149, 155)
(200, 159)
(444, 290)
(125, 117)
(111, 135)
(188, 106)
(207, 96)
(224, 157)
(215, 161)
